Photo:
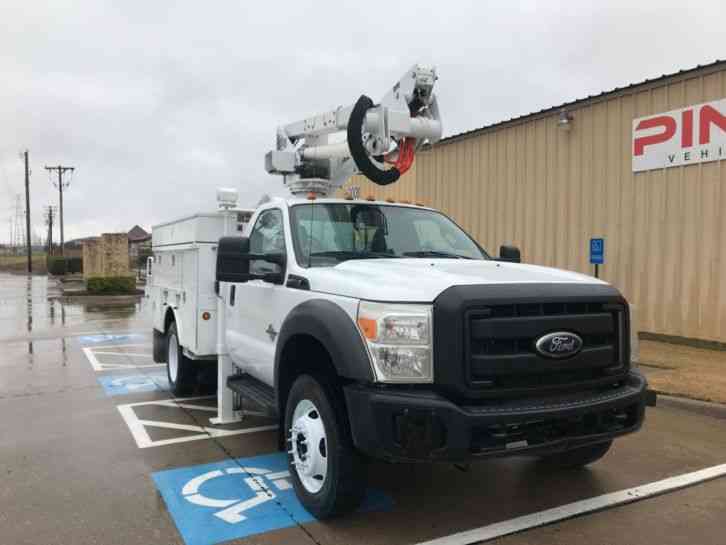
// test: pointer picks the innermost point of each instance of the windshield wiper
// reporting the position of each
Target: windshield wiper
(435, 253)
(349, 254)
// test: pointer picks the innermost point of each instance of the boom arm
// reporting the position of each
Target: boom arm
(389, 132)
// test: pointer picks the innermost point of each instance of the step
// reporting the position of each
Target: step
(251, 389)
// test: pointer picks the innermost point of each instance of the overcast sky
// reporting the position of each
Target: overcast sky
(158, 103)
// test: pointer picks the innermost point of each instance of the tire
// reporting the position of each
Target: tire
(578, 457)
(180, 370)
(314, 402)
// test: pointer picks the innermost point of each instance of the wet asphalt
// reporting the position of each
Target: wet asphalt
(73, 473)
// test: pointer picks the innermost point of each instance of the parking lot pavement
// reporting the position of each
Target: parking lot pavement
(94, 450)
(693, 515)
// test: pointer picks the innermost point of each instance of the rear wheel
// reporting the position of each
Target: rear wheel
(180, 370)
(327, 472)
(578, 457)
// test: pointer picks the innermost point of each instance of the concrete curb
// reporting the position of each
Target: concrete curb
(714, 410)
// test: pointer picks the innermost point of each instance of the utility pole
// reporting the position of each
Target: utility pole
(61, 170)
(28, 237)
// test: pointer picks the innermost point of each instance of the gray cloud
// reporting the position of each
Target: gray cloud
(157, 104)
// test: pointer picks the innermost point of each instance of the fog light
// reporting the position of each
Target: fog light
(206, 315)
(419, 433)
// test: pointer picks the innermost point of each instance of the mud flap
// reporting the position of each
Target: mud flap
(160, 355)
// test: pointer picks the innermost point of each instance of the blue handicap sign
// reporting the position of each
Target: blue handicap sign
(114, 385)
(233, 499)
(597, 251)
(95, 339)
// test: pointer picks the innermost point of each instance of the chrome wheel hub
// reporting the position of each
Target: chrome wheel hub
(173, 358)
(308, 446)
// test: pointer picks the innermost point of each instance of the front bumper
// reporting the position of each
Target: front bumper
(416, 425)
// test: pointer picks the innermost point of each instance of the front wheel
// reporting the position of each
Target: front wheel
(578, 457)
(327, 472)
(180, 370)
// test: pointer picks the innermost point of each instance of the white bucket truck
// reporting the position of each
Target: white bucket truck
(383, 329)
(181, 288)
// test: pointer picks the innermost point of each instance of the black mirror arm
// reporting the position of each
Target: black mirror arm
(277, 259)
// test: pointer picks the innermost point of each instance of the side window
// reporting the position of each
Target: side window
(267, 237)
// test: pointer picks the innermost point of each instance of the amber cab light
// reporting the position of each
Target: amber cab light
(368, 327)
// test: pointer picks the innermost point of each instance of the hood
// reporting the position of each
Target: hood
(422, 280)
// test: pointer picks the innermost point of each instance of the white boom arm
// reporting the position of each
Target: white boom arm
(406, 118)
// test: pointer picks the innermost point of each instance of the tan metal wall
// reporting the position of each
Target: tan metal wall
(548, 191)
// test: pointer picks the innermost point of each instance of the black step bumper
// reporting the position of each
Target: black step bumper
(416, 425)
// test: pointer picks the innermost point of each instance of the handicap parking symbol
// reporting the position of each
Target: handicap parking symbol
(232, 499)
(114, 385)
(233, 510)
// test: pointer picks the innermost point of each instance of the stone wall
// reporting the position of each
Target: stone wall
(107, 255)
(91, 262)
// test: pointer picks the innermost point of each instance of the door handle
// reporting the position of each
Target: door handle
(232, 293)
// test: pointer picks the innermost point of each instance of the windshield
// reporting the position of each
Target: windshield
(328, 233)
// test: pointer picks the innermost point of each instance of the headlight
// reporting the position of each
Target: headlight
(399, 340)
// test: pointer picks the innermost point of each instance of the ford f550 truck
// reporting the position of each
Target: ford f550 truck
(383, 330)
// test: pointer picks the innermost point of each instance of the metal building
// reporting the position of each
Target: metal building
(639, 166)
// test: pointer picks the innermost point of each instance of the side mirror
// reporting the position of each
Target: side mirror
(233, 262)
(232, 265)
(510, 254)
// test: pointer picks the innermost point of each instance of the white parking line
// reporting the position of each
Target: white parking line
(99, 366)
(138, 426)
(570, 510)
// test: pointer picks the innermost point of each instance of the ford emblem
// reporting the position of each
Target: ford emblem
(560, 344)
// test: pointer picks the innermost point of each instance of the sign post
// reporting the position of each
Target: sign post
(597, 254)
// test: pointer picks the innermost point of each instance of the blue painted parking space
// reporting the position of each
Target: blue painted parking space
(115, 385)
(87, 340)
(233, 499)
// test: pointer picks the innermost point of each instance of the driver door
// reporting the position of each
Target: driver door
(256, 314)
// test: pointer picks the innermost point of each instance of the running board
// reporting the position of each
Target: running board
(259, 393)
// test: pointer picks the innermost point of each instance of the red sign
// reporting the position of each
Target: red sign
(694, 134)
